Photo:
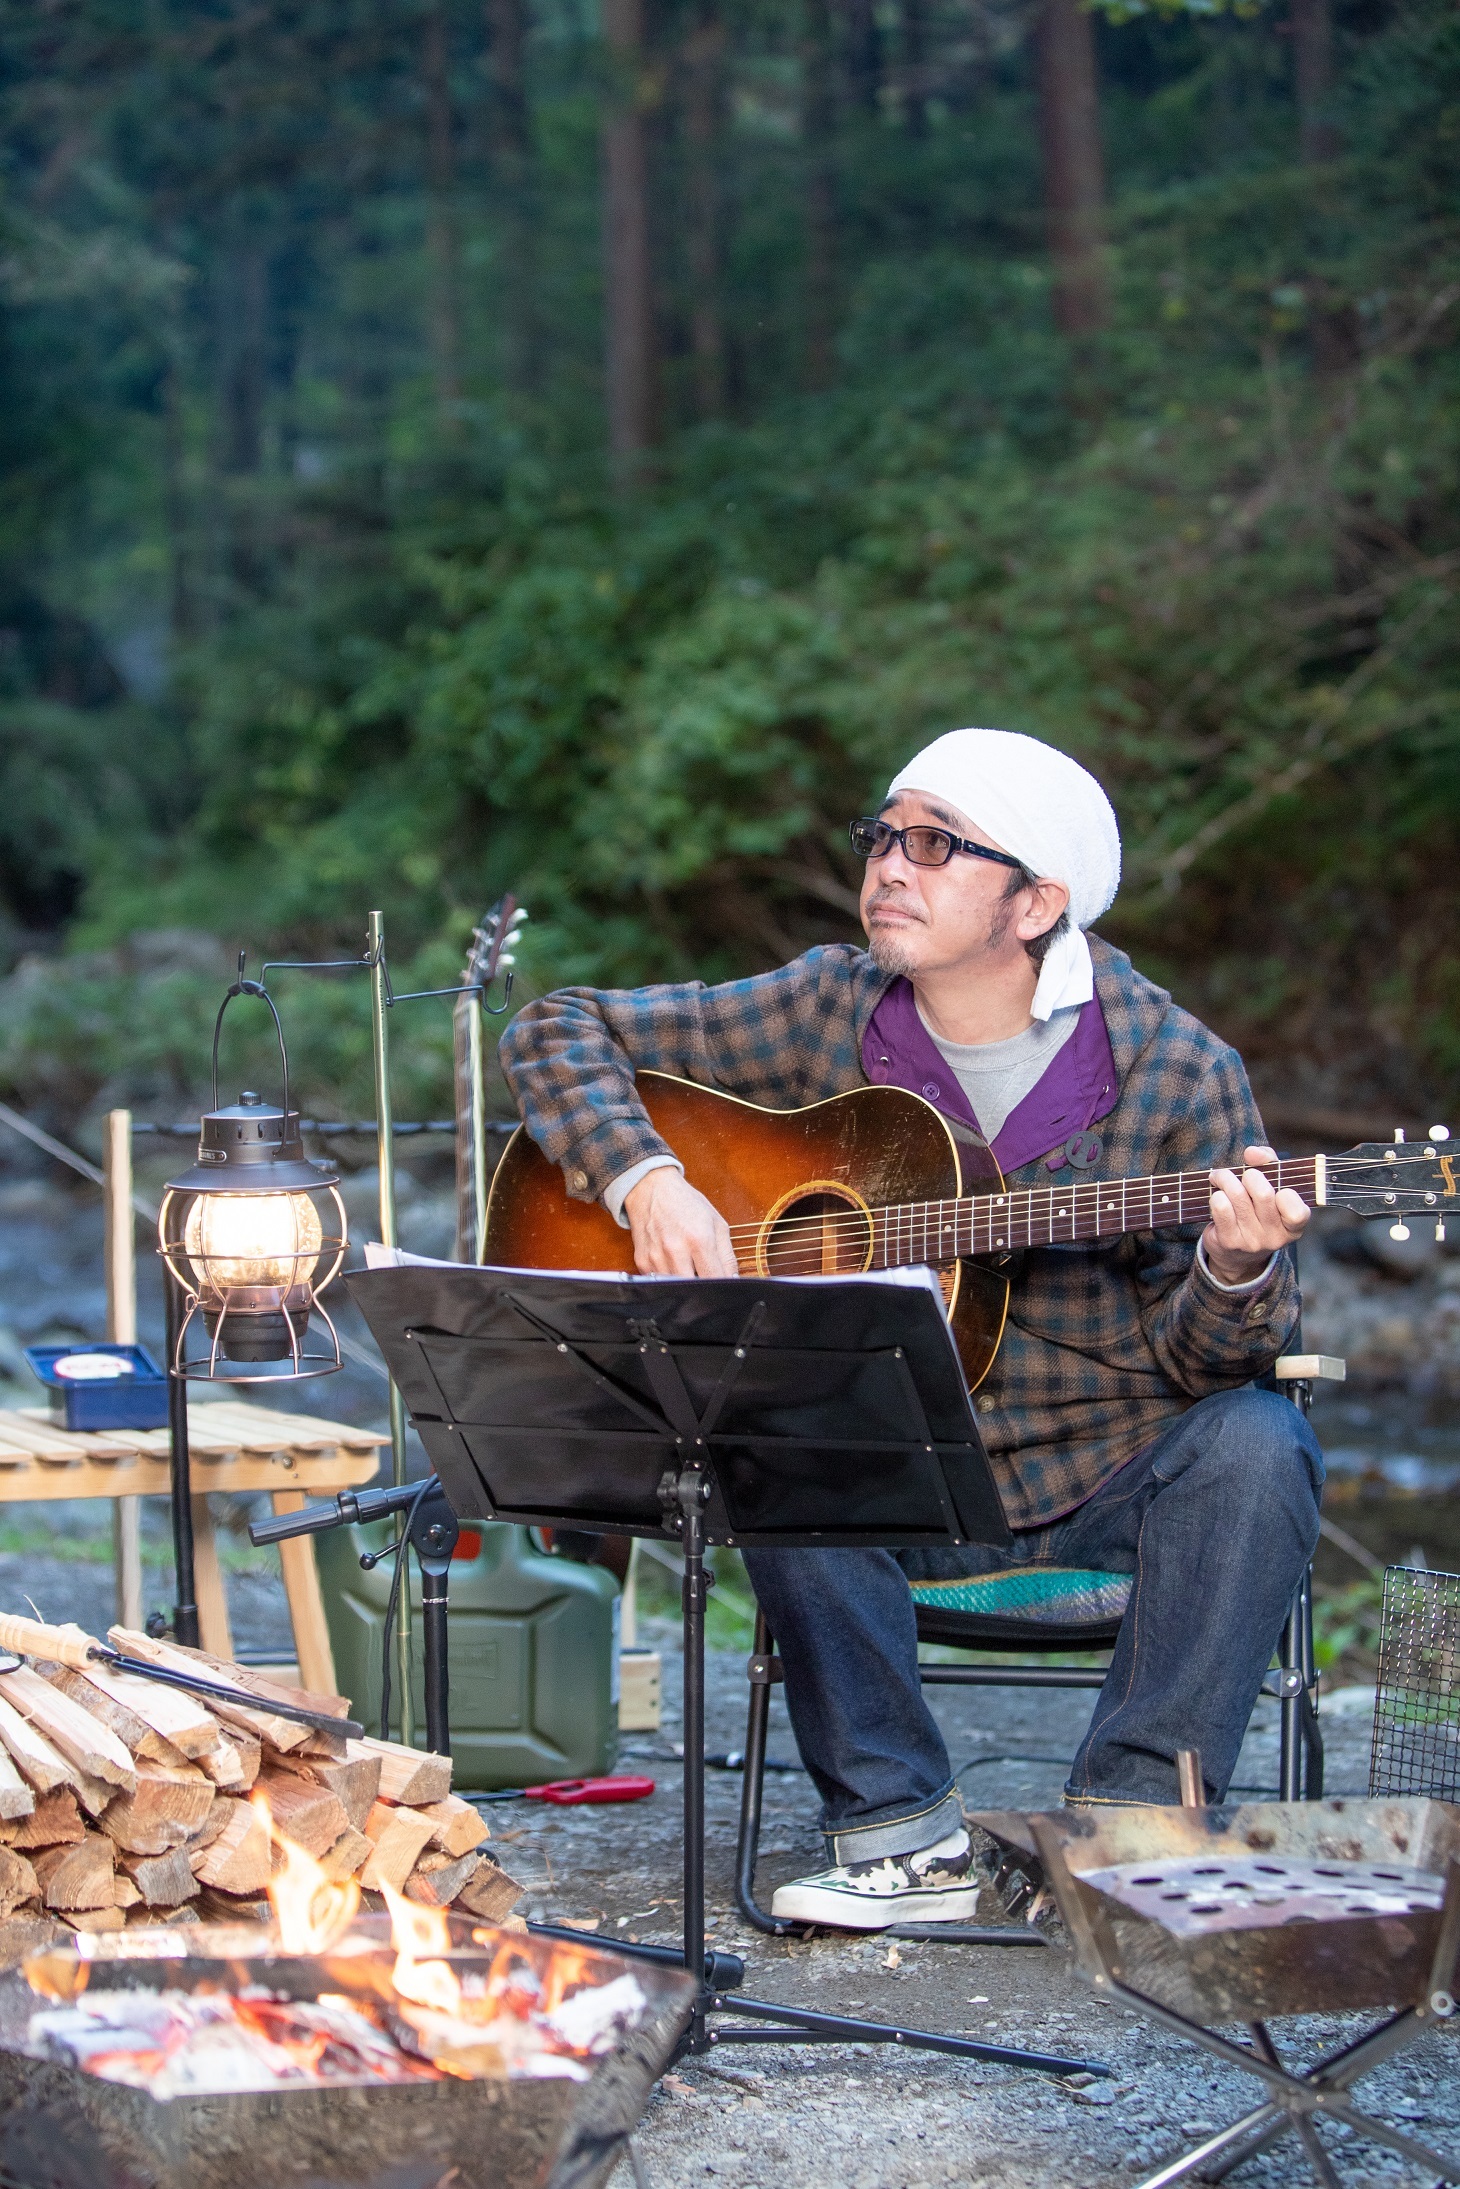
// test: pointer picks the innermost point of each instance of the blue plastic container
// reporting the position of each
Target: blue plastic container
(137, 1401)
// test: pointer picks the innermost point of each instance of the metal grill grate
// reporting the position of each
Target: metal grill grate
(1417, 1707)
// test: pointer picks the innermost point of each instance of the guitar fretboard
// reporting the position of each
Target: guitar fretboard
(1098, 1208)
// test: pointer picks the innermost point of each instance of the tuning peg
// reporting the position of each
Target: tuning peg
(1439, 1132)
(1399, 1231)
(1439, 1231)
(1399, 1136)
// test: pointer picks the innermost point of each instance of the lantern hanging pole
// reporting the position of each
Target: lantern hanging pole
(185, 1612)
(381, 1000)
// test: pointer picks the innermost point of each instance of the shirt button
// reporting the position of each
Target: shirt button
(580, 1181)
(931, 1089)
(985, 1405)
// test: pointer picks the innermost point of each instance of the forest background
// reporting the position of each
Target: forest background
(453, 445)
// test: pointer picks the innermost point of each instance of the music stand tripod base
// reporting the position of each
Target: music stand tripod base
(706, 1410)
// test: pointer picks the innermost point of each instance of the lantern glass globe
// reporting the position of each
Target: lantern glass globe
(252, 1239)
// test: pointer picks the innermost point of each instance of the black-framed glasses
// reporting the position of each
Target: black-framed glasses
(924, 846)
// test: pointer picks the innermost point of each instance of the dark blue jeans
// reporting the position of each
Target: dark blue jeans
(1216, 1520)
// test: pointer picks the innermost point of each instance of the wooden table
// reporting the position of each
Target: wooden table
(234, 1446)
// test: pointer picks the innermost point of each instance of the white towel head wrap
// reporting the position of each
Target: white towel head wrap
(1051, 814)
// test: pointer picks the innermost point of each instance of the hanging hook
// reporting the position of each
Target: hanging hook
(242, 987)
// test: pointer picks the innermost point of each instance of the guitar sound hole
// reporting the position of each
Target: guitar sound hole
(820, 1234)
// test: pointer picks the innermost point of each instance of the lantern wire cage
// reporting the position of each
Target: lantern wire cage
(1416, 1746)
(215, 1278)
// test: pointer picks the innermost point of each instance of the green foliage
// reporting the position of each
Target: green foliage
(1214, 552)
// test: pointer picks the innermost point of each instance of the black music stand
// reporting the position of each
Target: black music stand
(736, 1411)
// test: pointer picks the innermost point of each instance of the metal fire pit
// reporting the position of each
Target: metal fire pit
(1234, 1915)
(62, 2128)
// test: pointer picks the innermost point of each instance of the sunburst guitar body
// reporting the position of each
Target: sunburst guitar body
(817, 1190)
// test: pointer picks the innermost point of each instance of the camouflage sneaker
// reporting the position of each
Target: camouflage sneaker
(932, 1885)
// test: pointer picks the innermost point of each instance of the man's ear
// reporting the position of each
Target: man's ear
(1047, 900)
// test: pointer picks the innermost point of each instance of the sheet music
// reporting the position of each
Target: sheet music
(916, 1275)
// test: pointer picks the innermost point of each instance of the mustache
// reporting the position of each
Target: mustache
(893, 897)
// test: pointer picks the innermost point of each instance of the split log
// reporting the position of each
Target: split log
(18, 1881)
(308, 1814)
(83, 1740)
(55, 1822)
(162, 1722)
(44, 1766)
(144, 1918)
(408, 1775)
(311, 1741)
(399, 1837)
(234, 1763)
(489, 1892)
(238, 1860)
(126, 1893)
(73, 1878)
(94, 1919)
(437, 1879)
(219, 1907)
(162, 1881)
(212, 1823)
(281, 1731)
(133, 1732)
(457, 1827)
(16, 1799)
(348, 1856)
(170, 1803)
(353, 1780)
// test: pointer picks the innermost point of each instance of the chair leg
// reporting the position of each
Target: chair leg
(762, 1672)
(1300, 1749)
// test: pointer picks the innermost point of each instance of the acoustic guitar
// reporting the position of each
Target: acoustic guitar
(876, 1178)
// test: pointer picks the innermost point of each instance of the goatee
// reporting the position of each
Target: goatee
(890, 954)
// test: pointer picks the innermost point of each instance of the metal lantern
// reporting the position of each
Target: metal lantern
(252, 1235)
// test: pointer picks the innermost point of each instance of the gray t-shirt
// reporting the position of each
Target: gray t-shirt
(997, 1075)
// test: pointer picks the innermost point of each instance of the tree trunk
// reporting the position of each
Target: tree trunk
(704, 61)
(243, 318)
(1313, 79)
(915, 66)
(182, 601)
(818, 120)
(862, 45)
(442, 241)
(1074, 173)
(512, 163)
(628, 299)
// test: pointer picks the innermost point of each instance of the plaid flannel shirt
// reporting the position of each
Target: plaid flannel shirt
(1106, 1341)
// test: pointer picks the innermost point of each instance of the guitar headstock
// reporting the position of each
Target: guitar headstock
(494, 946)
(1398, 1179)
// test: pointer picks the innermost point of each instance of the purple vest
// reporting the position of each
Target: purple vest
(1079, 1086)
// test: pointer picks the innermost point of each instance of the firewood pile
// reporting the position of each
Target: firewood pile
(125, 1803)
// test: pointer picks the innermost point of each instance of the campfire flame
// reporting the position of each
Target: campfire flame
(312, 1911)
(419, 1936)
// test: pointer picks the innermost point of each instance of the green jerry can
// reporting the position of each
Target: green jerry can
(532, 1652)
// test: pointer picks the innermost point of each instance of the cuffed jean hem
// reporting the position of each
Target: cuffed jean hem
(1079, 1799)
(906, 1834)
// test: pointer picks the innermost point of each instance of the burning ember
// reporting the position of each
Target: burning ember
(179, 2044)
(520, 2010)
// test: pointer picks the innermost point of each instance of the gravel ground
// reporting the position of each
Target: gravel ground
(782, 2117)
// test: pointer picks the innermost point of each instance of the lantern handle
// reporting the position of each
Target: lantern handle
(242, 987)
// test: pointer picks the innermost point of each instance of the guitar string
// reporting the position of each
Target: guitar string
(1018, 1209)
(914, 1211)
(858, 1217)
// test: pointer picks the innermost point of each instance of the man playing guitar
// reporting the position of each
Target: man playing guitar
(1121, 1415)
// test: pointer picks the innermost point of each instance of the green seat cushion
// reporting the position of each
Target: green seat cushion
(1061, 1595)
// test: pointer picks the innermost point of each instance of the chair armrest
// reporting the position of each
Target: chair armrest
(1310, 1368)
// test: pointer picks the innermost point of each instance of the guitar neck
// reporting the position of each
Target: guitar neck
(1097, 1208)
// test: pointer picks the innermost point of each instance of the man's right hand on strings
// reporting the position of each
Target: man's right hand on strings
(676, 1231)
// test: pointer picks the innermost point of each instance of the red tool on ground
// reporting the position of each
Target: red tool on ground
(569, 1793)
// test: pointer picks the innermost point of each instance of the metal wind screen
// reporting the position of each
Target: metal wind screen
(1417, 1706)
